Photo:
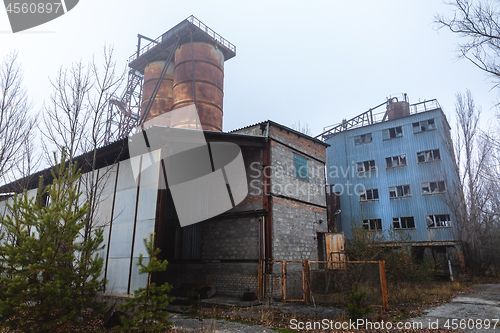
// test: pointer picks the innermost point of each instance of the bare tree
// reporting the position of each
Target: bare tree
(30, 162)
(16, 123)
(66, 116)
(301, 128)
(478, 22)
(105, 85)
(474, 209)
(75, 121)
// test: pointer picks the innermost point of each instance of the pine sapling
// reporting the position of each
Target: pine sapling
(147, 307)
(356, 307)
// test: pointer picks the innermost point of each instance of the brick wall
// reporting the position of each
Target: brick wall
(233, 239)
(298, 142)
(288, 137)
(229, 279)
(294, 229)
(233, 279)
(284, 180)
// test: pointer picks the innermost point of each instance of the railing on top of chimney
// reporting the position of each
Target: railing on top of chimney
(190, 20)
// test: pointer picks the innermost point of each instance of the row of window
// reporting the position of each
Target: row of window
(408, 222)
(396, 132)
(399, 160)
(402, 191)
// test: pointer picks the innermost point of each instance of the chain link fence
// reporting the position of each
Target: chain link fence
(331, 282)
(326, 281)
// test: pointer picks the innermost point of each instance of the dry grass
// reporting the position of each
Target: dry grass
(426, 293)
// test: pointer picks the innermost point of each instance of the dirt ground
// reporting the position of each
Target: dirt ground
(477, 309)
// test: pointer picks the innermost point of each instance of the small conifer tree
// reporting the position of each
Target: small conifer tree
(147, 307)
(355, 308)
(48, 276)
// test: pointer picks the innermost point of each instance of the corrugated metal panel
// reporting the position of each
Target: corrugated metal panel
(343, 155)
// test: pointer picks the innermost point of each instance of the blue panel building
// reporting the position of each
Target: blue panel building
(394, 170)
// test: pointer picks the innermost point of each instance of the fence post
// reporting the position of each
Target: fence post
(383, 284)
(306, 282)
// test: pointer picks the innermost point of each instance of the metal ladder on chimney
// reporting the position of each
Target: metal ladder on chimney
(127, 117)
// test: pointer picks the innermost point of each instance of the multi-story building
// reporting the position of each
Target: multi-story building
(394, 170)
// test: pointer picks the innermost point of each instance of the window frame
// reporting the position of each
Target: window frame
(435, 221)
(396, 134)
(430, 186)
(427, 154)
(399, 159)
(400, 221)
(373, 191)
(368, 223)
(365, 164)
(360, 137)
(424, 125)
(302, 162)
(400, 189)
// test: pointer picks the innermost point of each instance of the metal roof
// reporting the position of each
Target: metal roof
(285, 128)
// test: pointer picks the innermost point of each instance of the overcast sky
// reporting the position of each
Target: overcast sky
(316, 62)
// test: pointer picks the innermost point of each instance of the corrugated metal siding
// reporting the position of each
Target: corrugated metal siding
(341, 165)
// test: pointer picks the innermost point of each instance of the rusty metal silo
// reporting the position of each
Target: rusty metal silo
(163, 100)
(397, 109)
(169, 81)
(204, 88)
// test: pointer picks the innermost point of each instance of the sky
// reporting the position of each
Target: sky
(313, 62)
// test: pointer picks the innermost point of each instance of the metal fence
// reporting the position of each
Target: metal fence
(327, 281)
(331, 282)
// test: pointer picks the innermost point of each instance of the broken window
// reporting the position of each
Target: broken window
(435, 221)
(433, 187)
(428, 155)
(392, 133)
(372, 224)
(396, 161)
(366, 166)
(403, 222)
(399, 191)
(368, 195)
(301, 170)
(361, 139)
(424, 125)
